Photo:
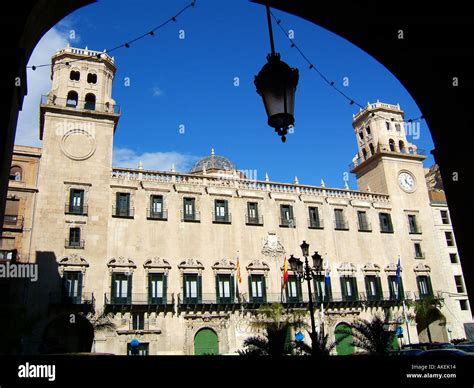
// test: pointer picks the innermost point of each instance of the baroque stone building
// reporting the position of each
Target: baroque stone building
(159, 251)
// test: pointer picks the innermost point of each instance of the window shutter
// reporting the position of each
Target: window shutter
(79, 285)
(367, 287)
(402, 293)
(354, 287)
(264, 289)
(250, 286)
(328, 289)
(185, 279)
(232, 288)
(290, 209)
(343, 287)
(298, 287)
(165, 289)
(379, 287)
(381, 221)
(226, 209)
(430, 288)
(129, 288)
(117, 200)
(199, 289)
(113, 287)
(218, 295)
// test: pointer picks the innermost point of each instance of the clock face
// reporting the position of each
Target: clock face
(406, 181)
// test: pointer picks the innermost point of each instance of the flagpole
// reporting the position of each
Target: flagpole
(399, 276)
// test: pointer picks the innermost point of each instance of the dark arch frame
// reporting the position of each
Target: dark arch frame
(370, 26)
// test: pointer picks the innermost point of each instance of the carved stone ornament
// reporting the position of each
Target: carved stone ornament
(224, 264)
(190, 264)
(156, 262)
(257, 265)
(371, 268)
(74, 261)
(420, 267)
(272, 246)
(392, 268)
(347, 269)
(121, 262)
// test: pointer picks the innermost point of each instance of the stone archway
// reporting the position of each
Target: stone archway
(343, 334)
(206, 342)
(67, 333)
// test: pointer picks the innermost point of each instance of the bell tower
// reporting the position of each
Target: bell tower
(381, 135)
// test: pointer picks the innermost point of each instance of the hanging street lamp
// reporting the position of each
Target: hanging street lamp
(276, 83)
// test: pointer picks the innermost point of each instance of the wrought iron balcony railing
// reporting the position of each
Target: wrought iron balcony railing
(74, 244)
(80, 104)
(253, 220)
(221, 219)
(63, 299)
(74, 209)
(123, 212)
(13, 222)
(209, 298)
(154, 215)
(190, 217)
(139, 299)
(315, 224)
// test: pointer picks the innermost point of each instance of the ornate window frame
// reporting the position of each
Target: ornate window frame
(73, 262)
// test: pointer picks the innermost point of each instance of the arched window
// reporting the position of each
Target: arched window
(391, 144)
(361, 135)
(401, 145)
(89, 101)
(367, 130)
(372, 150)
(92, 78)
(72, 99)
(364, 154)
(74, 75)
(16, 173)
(387, 124)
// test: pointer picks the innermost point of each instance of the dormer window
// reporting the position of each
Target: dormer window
(92, 78)
(74, 75)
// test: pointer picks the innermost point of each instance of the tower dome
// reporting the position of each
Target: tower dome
(213, 163)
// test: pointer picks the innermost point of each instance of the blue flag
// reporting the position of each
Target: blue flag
(398, 269)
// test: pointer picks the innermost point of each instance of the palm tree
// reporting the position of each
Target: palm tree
(323, 347)
(372, 335)
(275, 322)
(100, 321)
(427, 312)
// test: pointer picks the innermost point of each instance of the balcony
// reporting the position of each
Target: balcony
(208, 302)
(61, 301)
(13, 222)
(258, 221)
(341, 225)
(74, 244)
(315, 224)
(76, 210)
(365, 226)
(190, 217)
(221, 219)
(80, 105)
(382, 300)
(139, 302)
(287, 222)
(120, 212)
(154, 215)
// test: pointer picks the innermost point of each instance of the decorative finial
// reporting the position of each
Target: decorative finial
(86, 48)
(322, 183)
(68, 45)
(212, 152)
(267, 179)
(368, 188)
(346, 186)
(140, 165)
(173, 168)
(204, 169)
(296, 182)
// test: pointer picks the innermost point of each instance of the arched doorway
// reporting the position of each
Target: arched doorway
(343, 333)
(67, 333)
(206, 342)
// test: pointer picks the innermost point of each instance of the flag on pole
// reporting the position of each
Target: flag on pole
(285, 273)
(398, 276)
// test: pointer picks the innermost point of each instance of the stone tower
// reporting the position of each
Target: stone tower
(78, 119)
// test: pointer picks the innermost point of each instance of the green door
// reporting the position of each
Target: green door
(206, 342)
(344, 340)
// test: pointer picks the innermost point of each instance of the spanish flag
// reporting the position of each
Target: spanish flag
(239, 278)
(285, 273)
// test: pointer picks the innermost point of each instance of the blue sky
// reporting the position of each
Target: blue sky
(190, 82)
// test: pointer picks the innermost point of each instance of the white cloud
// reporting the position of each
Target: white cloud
(157, 91)
(163, 161)
(39, 82)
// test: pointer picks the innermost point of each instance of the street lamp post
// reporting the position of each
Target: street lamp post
(305, 272)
